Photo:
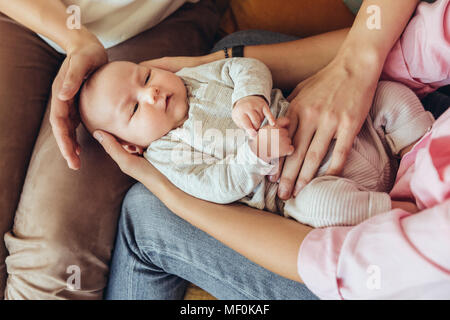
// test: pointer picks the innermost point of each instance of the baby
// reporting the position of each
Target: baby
(192, 125)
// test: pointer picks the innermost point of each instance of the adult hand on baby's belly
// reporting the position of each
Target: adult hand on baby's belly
(332, 104)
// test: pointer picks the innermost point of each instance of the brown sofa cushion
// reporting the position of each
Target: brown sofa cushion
(195, 293)
(296, 17)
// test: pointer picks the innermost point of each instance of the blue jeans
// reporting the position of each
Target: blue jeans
(157, 253)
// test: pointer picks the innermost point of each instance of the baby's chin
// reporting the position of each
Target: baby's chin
(143, 144)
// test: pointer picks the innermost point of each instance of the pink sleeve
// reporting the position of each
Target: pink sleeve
(419, 59)
(392, 255)
(395, 254)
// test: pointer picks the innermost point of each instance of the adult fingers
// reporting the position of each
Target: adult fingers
(76, 71)
(78, 149)
(293, 163)
(113, 148)
(296, 90)
(283, 122)
(293, 122)
(314, 156)
(166, 63)
(134, 166)
(66, 143)
(344, 143)
(63, 126)
(276, 175)
(173, 64)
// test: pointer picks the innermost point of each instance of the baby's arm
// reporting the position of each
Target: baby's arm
(250, 77)
(208, 178)
(251, 81)
(252, 85)
(247, 76)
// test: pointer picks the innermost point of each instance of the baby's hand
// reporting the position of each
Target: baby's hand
(273, 142)
(249, 112)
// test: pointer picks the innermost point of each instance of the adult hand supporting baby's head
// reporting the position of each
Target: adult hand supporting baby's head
(82, 59)
(133, 165)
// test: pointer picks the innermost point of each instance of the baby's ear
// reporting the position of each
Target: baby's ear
(132, 148)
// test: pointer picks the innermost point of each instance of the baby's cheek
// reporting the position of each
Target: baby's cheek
(153, 131)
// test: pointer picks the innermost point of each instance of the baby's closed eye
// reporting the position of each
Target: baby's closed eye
(145, 82)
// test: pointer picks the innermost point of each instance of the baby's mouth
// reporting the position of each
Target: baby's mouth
(168, 101)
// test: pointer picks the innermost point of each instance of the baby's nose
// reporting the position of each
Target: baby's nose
(154, 91)
(152, 94)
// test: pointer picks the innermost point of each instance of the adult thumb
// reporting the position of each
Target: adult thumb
(98, 136)
(72, 80)
(110, 144)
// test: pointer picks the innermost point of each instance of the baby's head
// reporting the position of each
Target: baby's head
(136, 103)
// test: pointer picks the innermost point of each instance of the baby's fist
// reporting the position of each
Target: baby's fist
(249, 112)
(273, 142)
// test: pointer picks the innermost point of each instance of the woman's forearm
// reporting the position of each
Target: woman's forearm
(360, 49)
(377, 27)
(293, 61)
(46, 17)
(267, 239)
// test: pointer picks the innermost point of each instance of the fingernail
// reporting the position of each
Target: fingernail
(282, 192)
(72, 166)
(98, 136)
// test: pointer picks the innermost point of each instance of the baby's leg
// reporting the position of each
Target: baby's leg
(398, 114)
(334, 201)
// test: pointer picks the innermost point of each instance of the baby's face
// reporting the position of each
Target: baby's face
(137, 103)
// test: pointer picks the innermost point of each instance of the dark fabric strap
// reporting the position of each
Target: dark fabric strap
(237, 51)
